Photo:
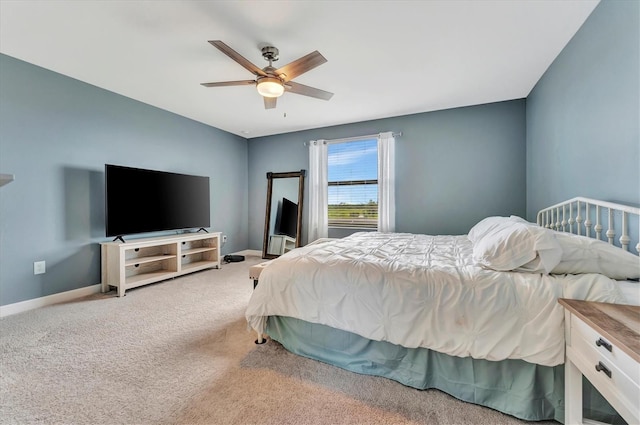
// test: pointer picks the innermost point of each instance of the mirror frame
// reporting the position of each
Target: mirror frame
(267, 216)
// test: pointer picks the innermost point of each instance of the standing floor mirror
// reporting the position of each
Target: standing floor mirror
(283, 216)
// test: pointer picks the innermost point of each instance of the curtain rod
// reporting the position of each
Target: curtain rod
(350, 139)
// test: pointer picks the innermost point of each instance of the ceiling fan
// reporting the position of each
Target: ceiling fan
(271, 82)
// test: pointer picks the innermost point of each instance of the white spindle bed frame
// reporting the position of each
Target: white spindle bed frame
(585, 210)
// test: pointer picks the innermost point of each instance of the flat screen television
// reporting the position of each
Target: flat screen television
(139, 201)
(287, 219)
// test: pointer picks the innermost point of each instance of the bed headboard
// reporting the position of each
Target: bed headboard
(584, 216)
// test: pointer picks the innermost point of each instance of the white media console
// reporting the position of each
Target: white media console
(142, 261)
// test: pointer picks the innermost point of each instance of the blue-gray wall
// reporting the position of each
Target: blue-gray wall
(576, 134)
(583, 116)
(56, 134)
(453, 167)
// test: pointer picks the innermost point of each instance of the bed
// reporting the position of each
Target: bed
(474, 315)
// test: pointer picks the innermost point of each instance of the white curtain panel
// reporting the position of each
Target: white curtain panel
(386, 182)
(318, 192)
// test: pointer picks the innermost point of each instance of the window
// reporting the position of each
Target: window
(353, 184)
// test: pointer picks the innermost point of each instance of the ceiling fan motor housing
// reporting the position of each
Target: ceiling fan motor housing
(270, 53)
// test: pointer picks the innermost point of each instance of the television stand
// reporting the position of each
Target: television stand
(203, 229)
(279, 244)
(149, 260)
(119, 238)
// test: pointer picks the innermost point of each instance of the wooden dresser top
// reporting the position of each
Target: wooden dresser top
(619, 323)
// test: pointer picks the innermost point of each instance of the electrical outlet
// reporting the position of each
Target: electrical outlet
(39, 267)
(224, 238)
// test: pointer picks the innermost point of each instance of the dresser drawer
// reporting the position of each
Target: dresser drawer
(618, 382)
(584, 339)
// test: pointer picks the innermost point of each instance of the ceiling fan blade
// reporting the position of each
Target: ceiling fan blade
(298, 88)
(229, 83)
(237, 57)
(270, 102)
(300, 66)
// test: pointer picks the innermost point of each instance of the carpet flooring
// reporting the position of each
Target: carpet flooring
(179, 352)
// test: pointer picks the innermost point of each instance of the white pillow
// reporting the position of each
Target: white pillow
(489, 224)
(534, 266)
(516, 245)
(587, 255)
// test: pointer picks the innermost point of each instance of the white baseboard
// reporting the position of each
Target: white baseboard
(19, 307)
(253, 252)
(9, 309)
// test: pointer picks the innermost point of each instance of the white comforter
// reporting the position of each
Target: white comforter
(423, 291)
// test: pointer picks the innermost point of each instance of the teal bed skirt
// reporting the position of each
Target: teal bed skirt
(515, 387)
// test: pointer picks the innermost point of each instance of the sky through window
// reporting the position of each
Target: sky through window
(351, 161)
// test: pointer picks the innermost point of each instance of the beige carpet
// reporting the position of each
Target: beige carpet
(178, 352)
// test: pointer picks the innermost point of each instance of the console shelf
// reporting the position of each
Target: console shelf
(138, 262)
(195, 266)
(143, 260)
(195, 250)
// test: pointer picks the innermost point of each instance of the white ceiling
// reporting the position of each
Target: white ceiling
(385, 58)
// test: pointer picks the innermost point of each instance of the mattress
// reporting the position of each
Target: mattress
(423, 291)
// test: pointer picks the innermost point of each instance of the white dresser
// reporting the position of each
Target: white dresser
(603, 344)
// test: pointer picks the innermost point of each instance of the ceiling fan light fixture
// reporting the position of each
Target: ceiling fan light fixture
(270, 87)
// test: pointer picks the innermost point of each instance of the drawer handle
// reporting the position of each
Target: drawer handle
(602, 368)
(602, 343)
